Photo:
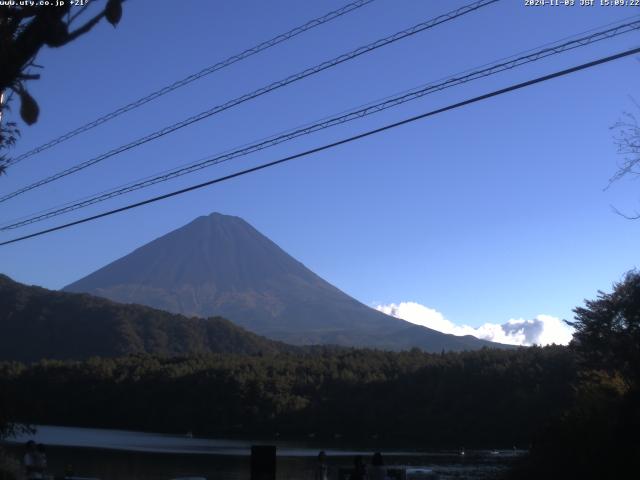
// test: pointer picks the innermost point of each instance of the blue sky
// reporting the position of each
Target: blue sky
(488, 213)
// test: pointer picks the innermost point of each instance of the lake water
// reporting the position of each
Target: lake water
(124, 455)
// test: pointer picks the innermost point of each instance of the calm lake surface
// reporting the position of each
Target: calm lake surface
(117, 454)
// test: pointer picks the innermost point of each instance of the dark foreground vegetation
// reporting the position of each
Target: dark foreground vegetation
(489, 397)
(598, 436)
(577, 408)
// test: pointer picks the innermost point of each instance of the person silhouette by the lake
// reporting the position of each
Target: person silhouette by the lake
(32, 465)
(359, 469)
(377, 470)
(41, 459)
(322, 469)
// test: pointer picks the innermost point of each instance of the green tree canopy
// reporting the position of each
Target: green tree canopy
(608, 330)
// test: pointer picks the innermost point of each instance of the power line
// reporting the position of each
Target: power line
(195, 76)
(389, 102)
(360, 136)
(261, 91)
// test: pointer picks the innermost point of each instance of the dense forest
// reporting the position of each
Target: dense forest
(597, 435)
(483, 398)
(576, 408)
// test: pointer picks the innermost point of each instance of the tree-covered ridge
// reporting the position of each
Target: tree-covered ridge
(577, 408)
(36, 323)
(484, 398)
(597, 436)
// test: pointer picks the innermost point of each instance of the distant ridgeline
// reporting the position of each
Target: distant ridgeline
(36, 323)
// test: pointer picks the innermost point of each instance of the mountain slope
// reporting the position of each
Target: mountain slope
(37, 323)
(221, 265)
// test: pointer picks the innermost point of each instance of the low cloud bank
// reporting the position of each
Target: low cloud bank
(542, 330)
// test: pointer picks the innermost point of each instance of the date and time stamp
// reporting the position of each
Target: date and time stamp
(581, 3)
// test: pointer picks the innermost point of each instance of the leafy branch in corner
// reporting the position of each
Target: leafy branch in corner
(24, 30)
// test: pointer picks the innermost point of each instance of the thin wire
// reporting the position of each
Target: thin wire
(195, 76)
(261, 91)
(360, 136)
(328, 122)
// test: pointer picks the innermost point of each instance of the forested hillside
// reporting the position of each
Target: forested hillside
(485, 398)
(36, 323)
(576, 408)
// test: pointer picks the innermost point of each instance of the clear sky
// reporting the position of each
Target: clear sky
(488, 213)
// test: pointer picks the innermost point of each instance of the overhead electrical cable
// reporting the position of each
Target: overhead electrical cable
(193, 77)
(353, 138)
(389, 102)
(261, 91)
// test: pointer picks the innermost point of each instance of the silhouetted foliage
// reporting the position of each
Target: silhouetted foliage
(608, 331)
(26, 28)
(487, 397)
(597, 437)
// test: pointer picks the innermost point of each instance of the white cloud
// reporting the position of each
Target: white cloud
(542, 330)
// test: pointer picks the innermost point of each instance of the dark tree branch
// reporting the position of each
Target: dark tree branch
(627, 139)
(80, 11)
(29, 76)
(636, 216)
(85, 28)
(24, 30)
